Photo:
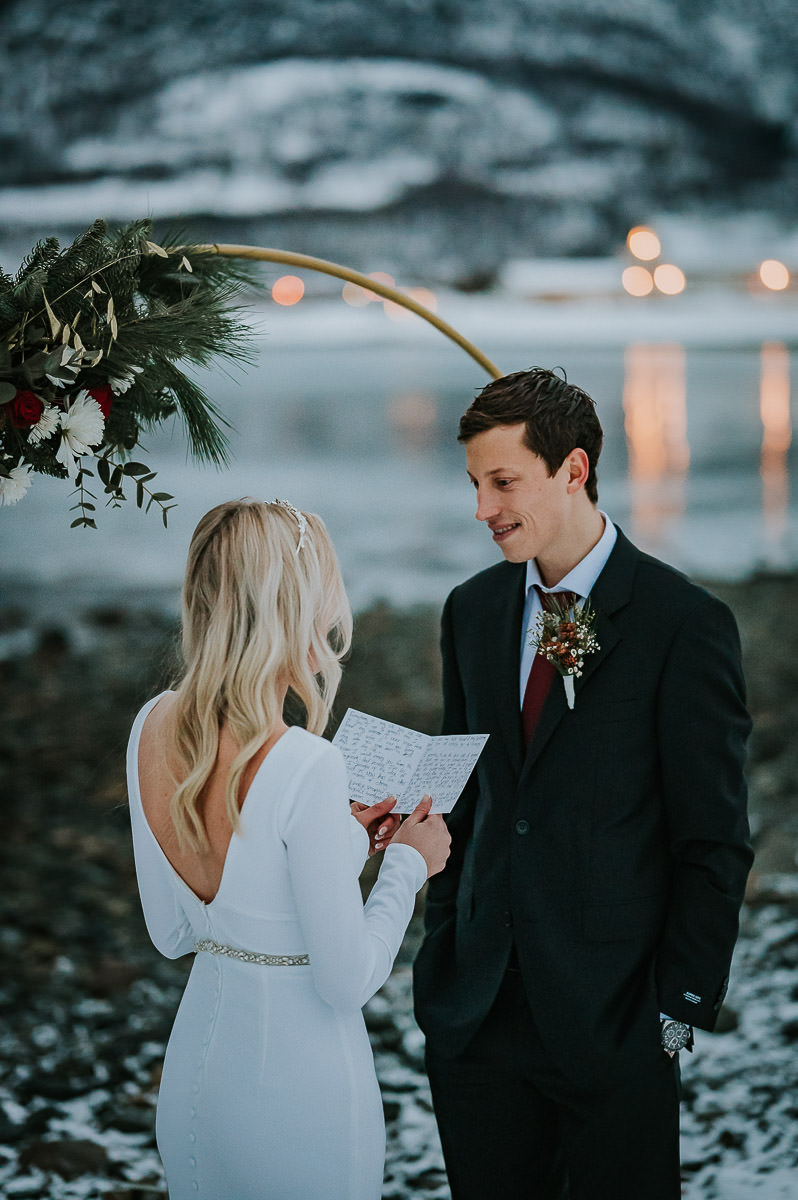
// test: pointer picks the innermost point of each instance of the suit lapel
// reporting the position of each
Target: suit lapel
(611, 593)
(501, 652)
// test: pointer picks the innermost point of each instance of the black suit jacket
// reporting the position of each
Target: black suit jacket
(614, 850)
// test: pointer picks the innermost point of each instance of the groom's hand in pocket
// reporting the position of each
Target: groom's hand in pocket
(378, 821)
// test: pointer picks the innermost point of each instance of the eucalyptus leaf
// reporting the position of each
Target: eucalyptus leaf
(40, 362)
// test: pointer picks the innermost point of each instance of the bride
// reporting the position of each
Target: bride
(247, 854)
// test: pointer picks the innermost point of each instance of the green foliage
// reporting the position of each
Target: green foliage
(116, 309)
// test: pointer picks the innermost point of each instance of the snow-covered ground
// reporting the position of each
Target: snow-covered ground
(739, 1113)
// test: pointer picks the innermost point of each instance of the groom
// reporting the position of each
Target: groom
(587, 915)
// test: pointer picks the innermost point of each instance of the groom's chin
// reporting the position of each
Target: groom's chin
(513, 554)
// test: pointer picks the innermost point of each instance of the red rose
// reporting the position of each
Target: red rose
(104, 397)
(25, 409)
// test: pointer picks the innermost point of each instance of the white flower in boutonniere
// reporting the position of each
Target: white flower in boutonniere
(564, 635)
(82, 428)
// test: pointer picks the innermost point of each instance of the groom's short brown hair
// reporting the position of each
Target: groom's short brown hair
(558, 417)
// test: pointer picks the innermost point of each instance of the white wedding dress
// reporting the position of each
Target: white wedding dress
(268, 1089)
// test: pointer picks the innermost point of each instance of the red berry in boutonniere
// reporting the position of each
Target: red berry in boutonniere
(25, 409)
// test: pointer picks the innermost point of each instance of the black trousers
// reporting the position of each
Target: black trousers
(513, 1127)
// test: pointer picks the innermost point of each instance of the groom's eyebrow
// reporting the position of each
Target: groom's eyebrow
(488, 474)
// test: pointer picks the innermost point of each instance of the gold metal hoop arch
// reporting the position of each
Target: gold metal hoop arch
(309, 263)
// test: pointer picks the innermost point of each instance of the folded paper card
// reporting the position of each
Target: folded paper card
(384, 759)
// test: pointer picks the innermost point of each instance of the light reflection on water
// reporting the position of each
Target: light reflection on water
(774, 408)
(655, 411)
(696, 468)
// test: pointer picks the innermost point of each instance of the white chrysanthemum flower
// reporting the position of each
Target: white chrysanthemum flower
(46, 425)
(13, 488)
(82, 427)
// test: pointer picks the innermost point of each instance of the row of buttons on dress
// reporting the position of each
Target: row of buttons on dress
(195, 1087)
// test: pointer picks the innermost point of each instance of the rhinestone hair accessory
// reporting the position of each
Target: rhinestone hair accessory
(298, 517)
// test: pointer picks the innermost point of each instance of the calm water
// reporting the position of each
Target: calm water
(696, 468)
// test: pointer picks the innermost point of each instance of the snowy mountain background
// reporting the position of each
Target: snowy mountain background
(442, 136)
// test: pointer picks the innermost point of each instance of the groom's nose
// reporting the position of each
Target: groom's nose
(486, 507)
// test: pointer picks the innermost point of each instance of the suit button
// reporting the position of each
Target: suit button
(522, 827)
(508, 920)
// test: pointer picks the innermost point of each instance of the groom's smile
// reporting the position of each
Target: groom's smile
(501, 532)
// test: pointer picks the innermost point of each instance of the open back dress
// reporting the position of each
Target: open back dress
(268, 1089)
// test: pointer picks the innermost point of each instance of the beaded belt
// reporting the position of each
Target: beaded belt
(252, 956)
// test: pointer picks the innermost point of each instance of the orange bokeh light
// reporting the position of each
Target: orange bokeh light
(397, 312)
(643, 242)
(425, 297)
(774, 275)
(355, 295)
(669, 279)
(637, 281)
(288, 290)
(380, 277)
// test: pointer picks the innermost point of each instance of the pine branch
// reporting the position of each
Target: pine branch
(115, 313)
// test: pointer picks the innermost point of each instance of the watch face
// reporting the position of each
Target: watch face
(675, 1035)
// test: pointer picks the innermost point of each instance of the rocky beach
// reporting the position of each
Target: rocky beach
(86, 1003)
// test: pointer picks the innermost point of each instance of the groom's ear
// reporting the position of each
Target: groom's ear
(577, 465)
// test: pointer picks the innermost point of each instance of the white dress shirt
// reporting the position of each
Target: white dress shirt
(580, 580)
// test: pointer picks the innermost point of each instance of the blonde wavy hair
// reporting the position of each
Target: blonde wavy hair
(258, 616)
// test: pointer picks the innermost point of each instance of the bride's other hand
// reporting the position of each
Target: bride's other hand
(378, 821)
(429, 835)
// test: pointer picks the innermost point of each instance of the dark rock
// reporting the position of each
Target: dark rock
(108, 617)
(128, 1118)
(52, 646)
(69, 1159)
(110, 977)
(732, 1139)
(57, 1086)
(136, 1193)
(11, 1132)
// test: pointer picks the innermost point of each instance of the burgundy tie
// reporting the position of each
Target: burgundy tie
(542, 673)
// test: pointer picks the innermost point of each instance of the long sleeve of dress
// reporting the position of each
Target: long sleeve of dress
(351, 947)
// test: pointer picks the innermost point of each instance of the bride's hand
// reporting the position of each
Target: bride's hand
(378, 821)
(429, 835)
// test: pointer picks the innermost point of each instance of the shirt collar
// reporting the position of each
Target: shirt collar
(580, 579)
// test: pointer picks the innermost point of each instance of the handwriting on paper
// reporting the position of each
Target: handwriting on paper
(385, 759)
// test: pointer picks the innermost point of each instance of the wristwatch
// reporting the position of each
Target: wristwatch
(676, 1035)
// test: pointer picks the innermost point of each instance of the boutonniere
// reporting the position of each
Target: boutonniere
(565, 635)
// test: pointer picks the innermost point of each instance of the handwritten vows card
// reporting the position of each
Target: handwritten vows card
(384, 759)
